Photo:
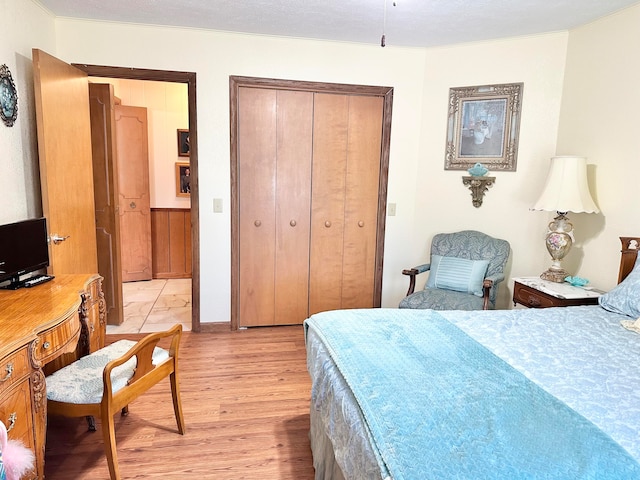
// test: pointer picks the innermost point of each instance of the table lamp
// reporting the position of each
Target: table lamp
(566, 190)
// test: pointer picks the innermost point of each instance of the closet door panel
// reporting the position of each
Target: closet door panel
(257, 187)
(361, 201)
(327, 212)
(293, 205)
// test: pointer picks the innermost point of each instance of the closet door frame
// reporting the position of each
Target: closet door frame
(236, 82)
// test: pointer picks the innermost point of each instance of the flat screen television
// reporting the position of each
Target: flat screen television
(23, 249)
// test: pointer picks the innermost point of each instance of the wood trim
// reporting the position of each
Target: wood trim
(235, 82)
(171, 242)
(629, 254)
(190, 79)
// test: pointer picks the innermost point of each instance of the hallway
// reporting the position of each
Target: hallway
(155, 305)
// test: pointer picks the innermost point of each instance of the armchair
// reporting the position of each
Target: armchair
(465, 270)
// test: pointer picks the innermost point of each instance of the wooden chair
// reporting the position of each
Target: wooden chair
(109, 379)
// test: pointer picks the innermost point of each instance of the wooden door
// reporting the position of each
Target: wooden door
(347, 209)
(330, 132)
(132, 154)
(293, 200)
(361, 201)
(66, 177)
(274, 155)
(346, 178)
(105, 182)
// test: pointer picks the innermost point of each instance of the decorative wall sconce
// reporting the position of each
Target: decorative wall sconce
(478, 187)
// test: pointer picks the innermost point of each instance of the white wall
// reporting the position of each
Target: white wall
(600, 107)
(438, 201)
(167, 111)
(214, 57)
(429, 199)
(24, 26)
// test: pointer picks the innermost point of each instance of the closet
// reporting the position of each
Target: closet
(309, 174)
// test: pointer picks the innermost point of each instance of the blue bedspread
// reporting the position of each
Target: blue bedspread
(439, 405)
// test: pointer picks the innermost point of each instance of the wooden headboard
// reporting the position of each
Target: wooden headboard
(629, 251)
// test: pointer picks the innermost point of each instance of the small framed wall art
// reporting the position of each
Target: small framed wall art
(183, 143)
(183, 179)
(483, 126)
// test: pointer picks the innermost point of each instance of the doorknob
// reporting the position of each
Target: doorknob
(56, 239)
(293, 223)
(132, 205)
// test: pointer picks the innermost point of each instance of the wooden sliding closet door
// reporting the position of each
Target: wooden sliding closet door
(346, 175)
(309, 164)
(274, 164)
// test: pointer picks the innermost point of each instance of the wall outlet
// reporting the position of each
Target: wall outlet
(217, 205)
(391, 210)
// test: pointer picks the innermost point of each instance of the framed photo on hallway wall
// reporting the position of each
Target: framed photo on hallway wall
(183, 143)
(483, 126)
(183, 179)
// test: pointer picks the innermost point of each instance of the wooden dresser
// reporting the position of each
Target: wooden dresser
(42, 329)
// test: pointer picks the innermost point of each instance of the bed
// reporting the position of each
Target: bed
(523, 393)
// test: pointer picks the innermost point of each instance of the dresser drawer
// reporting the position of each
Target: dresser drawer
(531, 297)
(15, 413)
(13, 368)
(62, 338)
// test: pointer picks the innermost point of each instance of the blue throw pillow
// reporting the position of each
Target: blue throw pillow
(625, 297)
(459, 274)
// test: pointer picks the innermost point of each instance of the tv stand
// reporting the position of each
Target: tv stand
(43, 329)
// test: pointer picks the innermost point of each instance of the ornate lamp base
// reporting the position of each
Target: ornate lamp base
(557, 276)
(559, 240)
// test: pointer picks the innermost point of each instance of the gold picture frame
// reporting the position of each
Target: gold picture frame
(183, 179)
(483, 126)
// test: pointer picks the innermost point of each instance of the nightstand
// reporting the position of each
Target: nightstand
(537, 293)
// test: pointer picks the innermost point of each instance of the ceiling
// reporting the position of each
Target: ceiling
(414, 23)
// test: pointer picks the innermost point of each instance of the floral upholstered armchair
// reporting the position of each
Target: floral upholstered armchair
(464, 272)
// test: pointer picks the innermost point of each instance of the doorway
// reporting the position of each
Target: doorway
(188, 78)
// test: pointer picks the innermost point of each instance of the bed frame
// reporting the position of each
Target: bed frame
(628, 256)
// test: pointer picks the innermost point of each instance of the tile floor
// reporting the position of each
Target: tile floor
(154, 305)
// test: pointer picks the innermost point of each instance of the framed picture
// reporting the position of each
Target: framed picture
(483, 127)
(183, 179)
(183, 143)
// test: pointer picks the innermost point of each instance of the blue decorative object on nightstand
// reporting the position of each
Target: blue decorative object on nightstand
(576, 281)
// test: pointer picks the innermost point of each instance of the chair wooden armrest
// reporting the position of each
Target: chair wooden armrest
(486, 287)
(412, 272)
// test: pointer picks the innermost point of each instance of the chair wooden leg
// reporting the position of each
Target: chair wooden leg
(109, 436)
(177, 404)
(91, 422)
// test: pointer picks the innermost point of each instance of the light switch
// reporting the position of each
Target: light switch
(391, 210)
(217, 205)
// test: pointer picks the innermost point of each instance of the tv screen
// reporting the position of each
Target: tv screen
(23, 249)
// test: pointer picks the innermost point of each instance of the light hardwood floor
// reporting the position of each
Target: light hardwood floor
(245, 397)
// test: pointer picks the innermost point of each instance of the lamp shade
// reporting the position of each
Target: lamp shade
(566, 188)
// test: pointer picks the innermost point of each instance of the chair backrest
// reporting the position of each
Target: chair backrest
(474, 245)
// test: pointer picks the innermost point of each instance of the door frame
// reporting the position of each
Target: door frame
(175, 77)
(235, 82)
